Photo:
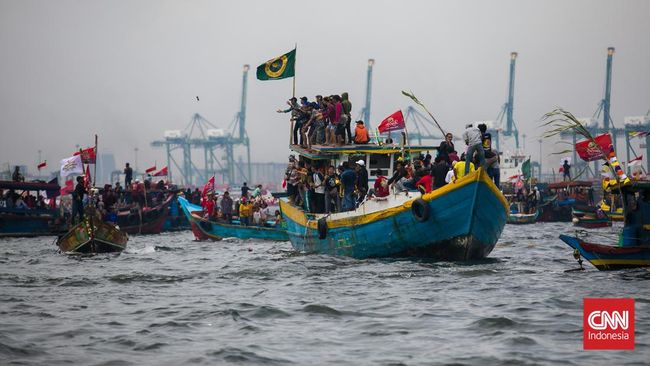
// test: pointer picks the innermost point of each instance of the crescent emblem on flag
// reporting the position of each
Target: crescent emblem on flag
(275, 68)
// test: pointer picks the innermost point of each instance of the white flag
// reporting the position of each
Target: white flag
(72, 165)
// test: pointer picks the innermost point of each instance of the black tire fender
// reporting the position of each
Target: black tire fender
(322, 228)
(420, 209)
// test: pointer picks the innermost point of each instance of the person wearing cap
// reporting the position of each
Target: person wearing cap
(474, 140)
(362, 180)
(361, 134)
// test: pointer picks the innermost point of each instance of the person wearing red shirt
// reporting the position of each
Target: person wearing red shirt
(208, 205)
(381, 185)
(425, 183)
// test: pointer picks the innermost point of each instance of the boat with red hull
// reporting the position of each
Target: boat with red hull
(150, 220)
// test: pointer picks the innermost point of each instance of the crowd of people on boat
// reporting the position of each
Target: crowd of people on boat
(325, 121)
(251, 208)
(318, 187)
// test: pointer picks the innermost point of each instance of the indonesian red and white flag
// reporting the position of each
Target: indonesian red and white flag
(149, 170)
(88, 156)
(71, 165)
(208, 187)
(161, 173)
(393, 122)
(42, 165)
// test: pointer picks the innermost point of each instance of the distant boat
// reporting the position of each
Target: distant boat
(93, 236)
(150, 220)
(557, 208)
(205, 229)
(589, 217)
(523, 219)
(460, 221)
(30, 221)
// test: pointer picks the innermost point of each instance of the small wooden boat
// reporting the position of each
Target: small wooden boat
(205, 229)
(93, 236)
(590, 217)
(523, 219)
(608, 257)
(460, 221)
(150, 220)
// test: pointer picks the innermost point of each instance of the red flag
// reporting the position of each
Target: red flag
(88, 156)
(42, 165)
(393, 122)
(87, 181)
(590, 150)
(153, 168)
(68, 187)
(208, 187)
(161, 173)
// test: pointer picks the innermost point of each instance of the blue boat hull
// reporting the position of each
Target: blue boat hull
(28, 224)
(218, 230)
(605, 257)
(465, 221)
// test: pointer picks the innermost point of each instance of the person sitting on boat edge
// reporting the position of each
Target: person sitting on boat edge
(361, 134)
(399, 176)
(381, 184)
(474, 140)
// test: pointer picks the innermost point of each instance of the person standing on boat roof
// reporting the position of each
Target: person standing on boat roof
(347, 109)
(446, 147)
(566, 167)
(128, 176)
(77, 199)
(296, 113)
(244, 190)
(17, 176)
(362, 180)
(349, 180)
(474, 140)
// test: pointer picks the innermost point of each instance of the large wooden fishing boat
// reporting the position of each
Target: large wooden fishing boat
(29, 221)
(633, 247)
(589, 217)
(93, 236)
(460, 221)
(205, 229)
(148, 220)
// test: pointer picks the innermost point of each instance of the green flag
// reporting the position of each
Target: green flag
(278, 68)
(525, 169)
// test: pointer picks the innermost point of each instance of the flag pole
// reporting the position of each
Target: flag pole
(95, 167)
(295, 49)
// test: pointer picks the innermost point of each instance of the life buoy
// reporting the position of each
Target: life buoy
(420, 210)
(322, 228)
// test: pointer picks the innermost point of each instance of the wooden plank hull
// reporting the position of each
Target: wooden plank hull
(93, 236)
(607, 257)
(464, 222)
(204, 229)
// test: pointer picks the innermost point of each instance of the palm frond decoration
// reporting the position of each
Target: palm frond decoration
(417, 101)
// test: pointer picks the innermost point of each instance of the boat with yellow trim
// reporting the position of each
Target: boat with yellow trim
(633, 247)
(459, 221)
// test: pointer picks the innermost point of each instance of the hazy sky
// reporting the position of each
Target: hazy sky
(129, 70)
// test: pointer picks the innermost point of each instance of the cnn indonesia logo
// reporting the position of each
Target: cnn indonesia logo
(608, 323)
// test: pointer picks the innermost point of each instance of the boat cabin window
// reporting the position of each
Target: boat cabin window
(380, 161)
